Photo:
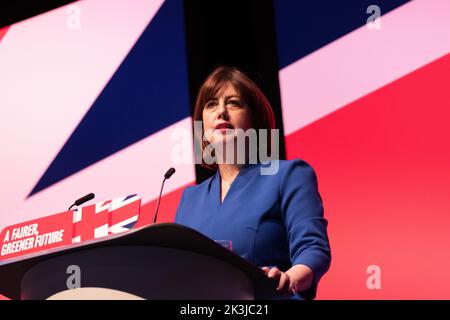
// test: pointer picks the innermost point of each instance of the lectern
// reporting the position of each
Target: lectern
(161, 261)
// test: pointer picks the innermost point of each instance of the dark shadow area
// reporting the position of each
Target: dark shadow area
(235, 33)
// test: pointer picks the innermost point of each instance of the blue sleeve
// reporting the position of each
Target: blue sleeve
(302, 212)
(180, 208)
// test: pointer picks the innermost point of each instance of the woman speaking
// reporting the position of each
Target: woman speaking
(274, 218)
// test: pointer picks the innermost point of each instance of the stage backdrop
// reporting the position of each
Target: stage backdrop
(367, 103)
(94, 98)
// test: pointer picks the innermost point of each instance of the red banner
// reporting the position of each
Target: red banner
(36, 235)
(82, 224)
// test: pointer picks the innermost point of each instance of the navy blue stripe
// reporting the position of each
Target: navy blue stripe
(305, 26)
(130, 225)
(148, 92)
(128, 197)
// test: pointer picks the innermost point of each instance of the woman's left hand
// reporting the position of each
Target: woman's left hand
(296, 279)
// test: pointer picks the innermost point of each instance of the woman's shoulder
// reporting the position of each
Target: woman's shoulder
(296, 172)
(286, 167)
(198, 188)
(298, 164)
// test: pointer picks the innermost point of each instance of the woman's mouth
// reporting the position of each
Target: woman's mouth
(224, 126)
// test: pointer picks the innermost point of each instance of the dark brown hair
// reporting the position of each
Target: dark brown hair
(251, 95)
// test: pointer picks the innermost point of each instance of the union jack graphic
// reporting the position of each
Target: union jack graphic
(104, 218)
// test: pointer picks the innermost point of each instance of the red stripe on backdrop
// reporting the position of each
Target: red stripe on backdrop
(383, 170)
(167, 208)
(3, 32)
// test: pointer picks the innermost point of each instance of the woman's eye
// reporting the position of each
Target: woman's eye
(234, 103)
(210, 104)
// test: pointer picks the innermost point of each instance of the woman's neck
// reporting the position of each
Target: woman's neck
(229, 172)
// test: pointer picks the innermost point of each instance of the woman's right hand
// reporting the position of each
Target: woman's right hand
(285, 284)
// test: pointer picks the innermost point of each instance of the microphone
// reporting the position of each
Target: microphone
(168, 174)
(82, 200)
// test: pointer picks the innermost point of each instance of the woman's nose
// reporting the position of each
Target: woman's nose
(223, 111)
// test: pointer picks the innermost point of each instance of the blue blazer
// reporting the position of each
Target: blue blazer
(272, 220)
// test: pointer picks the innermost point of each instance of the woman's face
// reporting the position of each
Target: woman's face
(225, 113)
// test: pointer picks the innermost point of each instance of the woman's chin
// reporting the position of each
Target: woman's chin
(223, 137)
